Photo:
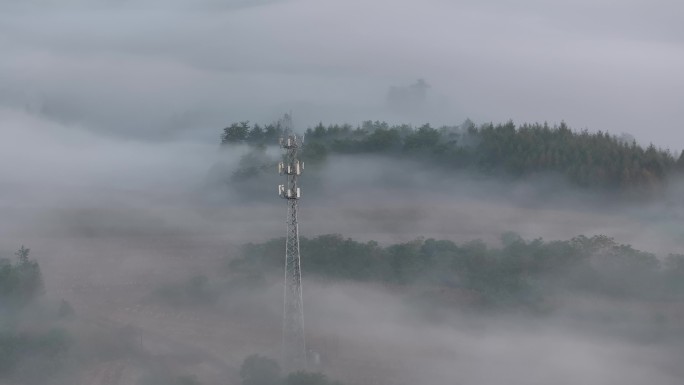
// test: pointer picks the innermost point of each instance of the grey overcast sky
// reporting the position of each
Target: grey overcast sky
(158, 69)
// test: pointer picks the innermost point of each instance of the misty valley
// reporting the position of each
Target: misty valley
(342, 192)
(427, 255)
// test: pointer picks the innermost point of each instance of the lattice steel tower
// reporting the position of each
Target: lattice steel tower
(294, 345)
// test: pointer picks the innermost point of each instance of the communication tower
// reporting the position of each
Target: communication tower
(294, 345)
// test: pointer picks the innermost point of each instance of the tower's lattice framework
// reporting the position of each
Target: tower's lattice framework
(294, 345)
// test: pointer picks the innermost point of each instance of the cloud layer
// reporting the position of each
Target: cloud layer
(166, 69)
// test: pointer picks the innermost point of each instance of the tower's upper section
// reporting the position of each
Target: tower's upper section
(291, 167)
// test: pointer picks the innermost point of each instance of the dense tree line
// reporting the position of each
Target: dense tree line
(243, 132)
(597, 160)
(518, 273)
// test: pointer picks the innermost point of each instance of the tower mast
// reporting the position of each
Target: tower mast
(294, 345)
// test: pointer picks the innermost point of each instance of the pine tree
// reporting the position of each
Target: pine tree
(23, 254)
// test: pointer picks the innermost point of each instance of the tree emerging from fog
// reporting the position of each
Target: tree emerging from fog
(21, 281)
(27, 356)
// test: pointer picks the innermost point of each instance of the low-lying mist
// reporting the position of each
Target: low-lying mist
(367, 333)
(137, 248)
(118, 224)
(466, 349)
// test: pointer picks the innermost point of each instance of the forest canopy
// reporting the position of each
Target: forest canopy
(519, 273)
(596, 160)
